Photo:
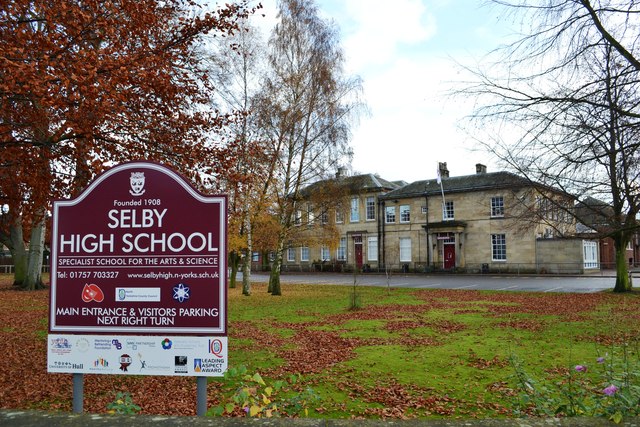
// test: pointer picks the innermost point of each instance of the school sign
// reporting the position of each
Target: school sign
(138, 277)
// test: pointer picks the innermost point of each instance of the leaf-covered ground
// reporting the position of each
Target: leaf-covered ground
(403, 354)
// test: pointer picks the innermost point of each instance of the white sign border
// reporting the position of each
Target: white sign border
(221, 330)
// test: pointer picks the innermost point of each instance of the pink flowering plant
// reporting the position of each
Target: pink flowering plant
(609, 388)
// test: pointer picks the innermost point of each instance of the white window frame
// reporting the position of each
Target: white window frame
(370, 208)
(372, 248)
(339, 217)
(405, 249)
(497, 207)
(324, 217)
(405, 210)
(291, 254)
(354, 215)
(304, 253)
(448, 212)
(310, 215)
(390, 215)
(297, 218)
(499, 247)
(255, 256)
(341, 252)
(590, 254)
(325, 254)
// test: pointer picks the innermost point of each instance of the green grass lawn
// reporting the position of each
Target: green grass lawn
(425, 353)
(404, 353)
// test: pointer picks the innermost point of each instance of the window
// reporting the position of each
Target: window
(498, 247)
(590, 249)
(355, 210)
(304, 253)
(310, 214)
(390, 214)
(297, 218)
(291, 255)
(405, 249)
(447, 211)
(339, 217)
(424, 209)
(342, 249)
(325, 254)
(255, 256)
(324, 217)
(371, 208)
(497, 207)
(372, 248)
(405, 213)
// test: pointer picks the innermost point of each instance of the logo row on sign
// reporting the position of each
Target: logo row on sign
(137, 355)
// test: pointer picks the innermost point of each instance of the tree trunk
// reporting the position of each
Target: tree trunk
(266, 266)
(234, 260)
(33, 278)
(246, 276)
(246, 264)
(274, 276)
(623, 283)
(18, 252)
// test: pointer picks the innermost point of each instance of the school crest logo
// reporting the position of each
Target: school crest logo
(137, 183)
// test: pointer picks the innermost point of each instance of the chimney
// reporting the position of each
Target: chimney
(444, 172)
(480, 168)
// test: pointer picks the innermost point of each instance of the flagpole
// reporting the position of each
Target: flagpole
(439, 180)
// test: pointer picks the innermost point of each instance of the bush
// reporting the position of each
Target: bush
(610, 389)
(255, 398)
(123, 405)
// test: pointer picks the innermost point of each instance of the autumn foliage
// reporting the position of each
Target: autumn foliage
(85, 85)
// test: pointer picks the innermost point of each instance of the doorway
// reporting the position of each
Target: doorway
(449, 250)
(357, 243)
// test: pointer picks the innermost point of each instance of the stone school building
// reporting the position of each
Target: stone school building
(483, 222)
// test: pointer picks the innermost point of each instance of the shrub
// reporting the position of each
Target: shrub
(255, 398)
(611, 389)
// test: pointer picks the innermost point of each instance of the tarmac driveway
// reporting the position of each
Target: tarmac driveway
(576, 284)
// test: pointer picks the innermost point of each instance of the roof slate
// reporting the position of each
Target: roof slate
(356, 184)
(459, 184)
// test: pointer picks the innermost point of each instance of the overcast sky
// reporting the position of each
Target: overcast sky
(405, 52)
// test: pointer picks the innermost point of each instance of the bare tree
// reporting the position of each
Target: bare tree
(237, 65)
(564, 101)
(305, 110)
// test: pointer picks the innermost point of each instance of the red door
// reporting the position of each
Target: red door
(358, 255)
(449, 256)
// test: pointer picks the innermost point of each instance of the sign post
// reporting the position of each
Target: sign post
(138, 277)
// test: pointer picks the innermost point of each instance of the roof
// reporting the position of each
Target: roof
(355, 184)
(460, 184)
(592, 212)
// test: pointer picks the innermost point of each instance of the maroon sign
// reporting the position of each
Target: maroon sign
(139, 251)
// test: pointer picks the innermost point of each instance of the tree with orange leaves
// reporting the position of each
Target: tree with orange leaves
(88, 84)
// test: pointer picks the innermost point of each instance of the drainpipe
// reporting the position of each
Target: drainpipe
(426, 228)
(381, 249)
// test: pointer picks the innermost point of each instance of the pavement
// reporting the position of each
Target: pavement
(16, 418)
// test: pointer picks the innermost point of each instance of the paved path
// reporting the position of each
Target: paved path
(575, 284)
(14, 418)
